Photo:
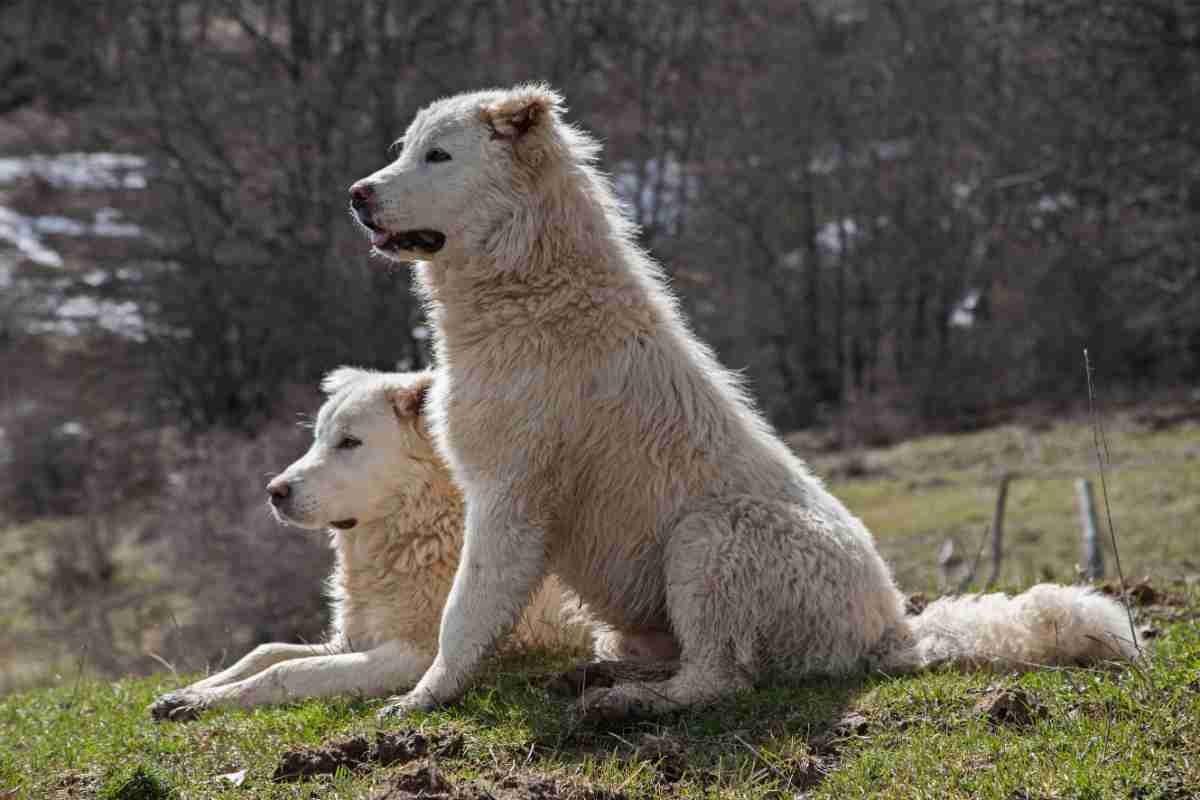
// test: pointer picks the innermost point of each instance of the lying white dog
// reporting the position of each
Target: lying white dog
(396, 522)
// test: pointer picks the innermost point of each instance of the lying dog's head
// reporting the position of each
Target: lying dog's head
(371, 452)
(457, 166)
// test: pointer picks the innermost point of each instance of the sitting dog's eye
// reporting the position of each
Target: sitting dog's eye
(349, 443)
(437, 154)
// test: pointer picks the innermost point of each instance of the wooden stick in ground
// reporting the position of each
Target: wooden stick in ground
(1093, 553)
(974, 570)
(998, 530)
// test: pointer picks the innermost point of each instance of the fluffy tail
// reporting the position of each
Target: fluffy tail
(1046, 625)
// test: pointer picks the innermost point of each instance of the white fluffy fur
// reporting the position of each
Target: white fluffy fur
(394, 567)
(594, 436)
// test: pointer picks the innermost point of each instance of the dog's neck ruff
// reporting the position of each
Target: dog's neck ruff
(541, 269)
(426, 529)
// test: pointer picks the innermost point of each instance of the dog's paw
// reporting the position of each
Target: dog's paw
(604, 704)
(400, 705)
(177, 707)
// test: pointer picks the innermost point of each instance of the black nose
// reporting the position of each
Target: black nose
(279, 491)
(360, 201)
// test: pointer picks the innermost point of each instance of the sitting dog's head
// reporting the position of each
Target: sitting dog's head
(371, 452)
(462, 163)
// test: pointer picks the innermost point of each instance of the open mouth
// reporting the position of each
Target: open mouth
(344, 524)
(420, 241)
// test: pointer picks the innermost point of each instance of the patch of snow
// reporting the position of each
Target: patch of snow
(893, 150)
(108, 224)
(663, 192)
(834, 155)
(75, 314)
(20, 231)
(1050, 203)
(59, 226)
(961, 192)
(26, 233)
(7, 267)
(829, 237)
(78, 170)
(72, 428)
(96, 277)
(826, 162)
(963, 314)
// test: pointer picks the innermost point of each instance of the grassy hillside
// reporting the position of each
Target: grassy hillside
(919, 493)
(1062, 733)
(1128, 733)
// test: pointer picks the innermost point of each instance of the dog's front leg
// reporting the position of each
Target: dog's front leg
(371, 673)
(503, 561)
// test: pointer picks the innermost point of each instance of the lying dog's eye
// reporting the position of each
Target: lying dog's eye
(437, 154)
(348, 443)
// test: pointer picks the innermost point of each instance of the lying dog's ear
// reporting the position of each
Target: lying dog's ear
(409, 401)
(340, 378)
(524, 110)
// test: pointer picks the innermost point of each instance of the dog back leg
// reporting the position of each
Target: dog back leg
(756, 585)
(701, 612)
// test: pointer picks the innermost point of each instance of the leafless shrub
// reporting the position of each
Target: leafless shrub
(236, 577)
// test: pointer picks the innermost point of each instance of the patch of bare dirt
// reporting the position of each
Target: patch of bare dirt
(75, 785)
(1010, 706)
(592, 674)
(915, 603)
(668, 753)
(1160, 419)
(425, 782)
(1144, 593)
(805, 772)
(422, 781)
(360, 753)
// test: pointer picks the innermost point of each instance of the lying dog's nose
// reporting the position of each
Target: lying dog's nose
(279, 491)
(360, 199)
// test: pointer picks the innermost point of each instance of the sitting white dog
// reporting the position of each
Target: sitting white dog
(396, 523)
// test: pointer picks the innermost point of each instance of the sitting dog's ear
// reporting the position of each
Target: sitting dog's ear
(521, 112)
(340, 378)
(409, 401)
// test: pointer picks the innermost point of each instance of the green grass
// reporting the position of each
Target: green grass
(1128, 733)
(1104, 734)
(917, 494)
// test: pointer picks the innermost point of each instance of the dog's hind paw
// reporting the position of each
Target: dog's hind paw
(176, 707)
(603, 704)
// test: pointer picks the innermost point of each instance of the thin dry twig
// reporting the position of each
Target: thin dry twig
(1100, 442)
(83, 654)
(171, 667)
(754, 751)
(970, 576)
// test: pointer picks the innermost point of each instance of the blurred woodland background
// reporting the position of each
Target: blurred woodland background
(895, 216)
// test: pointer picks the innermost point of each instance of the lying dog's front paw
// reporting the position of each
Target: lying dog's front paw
(176, 707)
(609, 705)
(403, 704)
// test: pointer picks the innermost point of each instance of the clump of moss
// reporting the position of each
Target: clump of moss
(142, 783)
